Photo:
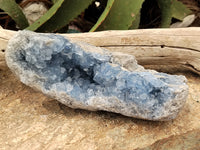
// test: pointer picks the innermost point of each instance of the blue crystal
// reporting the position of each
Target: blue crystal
(58, 64)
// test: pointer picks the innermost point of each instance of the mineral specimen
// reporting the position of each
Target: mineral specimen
(83, 76)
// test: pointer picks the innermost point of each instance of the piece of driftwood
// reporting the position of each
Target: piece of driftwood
(180, 46)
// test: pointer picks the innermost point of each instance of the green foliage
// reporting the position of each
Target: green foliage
(54, 1)
(62, 12)
(14, 11)
(121, 15)
(179, 11)
(172, 9)
(136, 22)
(46, 16)
(166, 12)
(103, 15)
(117, 15)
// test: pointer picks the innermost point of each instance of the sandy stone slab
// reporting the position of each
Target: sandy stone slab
(30, 120)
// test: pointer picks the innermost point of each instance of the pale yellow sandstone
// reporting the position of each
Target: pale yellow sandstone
(30, 120)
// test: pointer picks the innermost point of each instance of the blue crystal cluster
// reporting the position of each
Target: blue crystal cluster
(84, 74)
(65, 67)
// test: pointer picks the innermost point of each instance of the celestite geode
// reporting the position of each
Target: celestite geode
(83, 76)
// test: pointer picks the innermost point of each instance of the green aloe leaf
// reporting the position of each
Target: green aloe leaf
(172, 8)
(55, 1)
(121, 15)
(46, 16)
(166, 12)
(179, 10)
(136, 22)
(15, 12)
(103, 15)
(59, 15)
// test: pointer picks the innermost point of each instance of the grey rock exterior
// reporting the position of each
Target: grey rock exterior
(83, 76)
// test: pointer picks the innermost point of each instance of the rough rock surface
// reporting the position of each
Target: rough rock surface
(87, 77)
(31, 120)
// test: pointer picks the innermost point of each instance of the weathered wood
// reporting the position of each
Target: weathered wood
(180, 46)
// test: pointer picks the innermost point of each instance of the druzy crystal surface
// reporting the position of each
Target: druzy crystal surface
(83, 76)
